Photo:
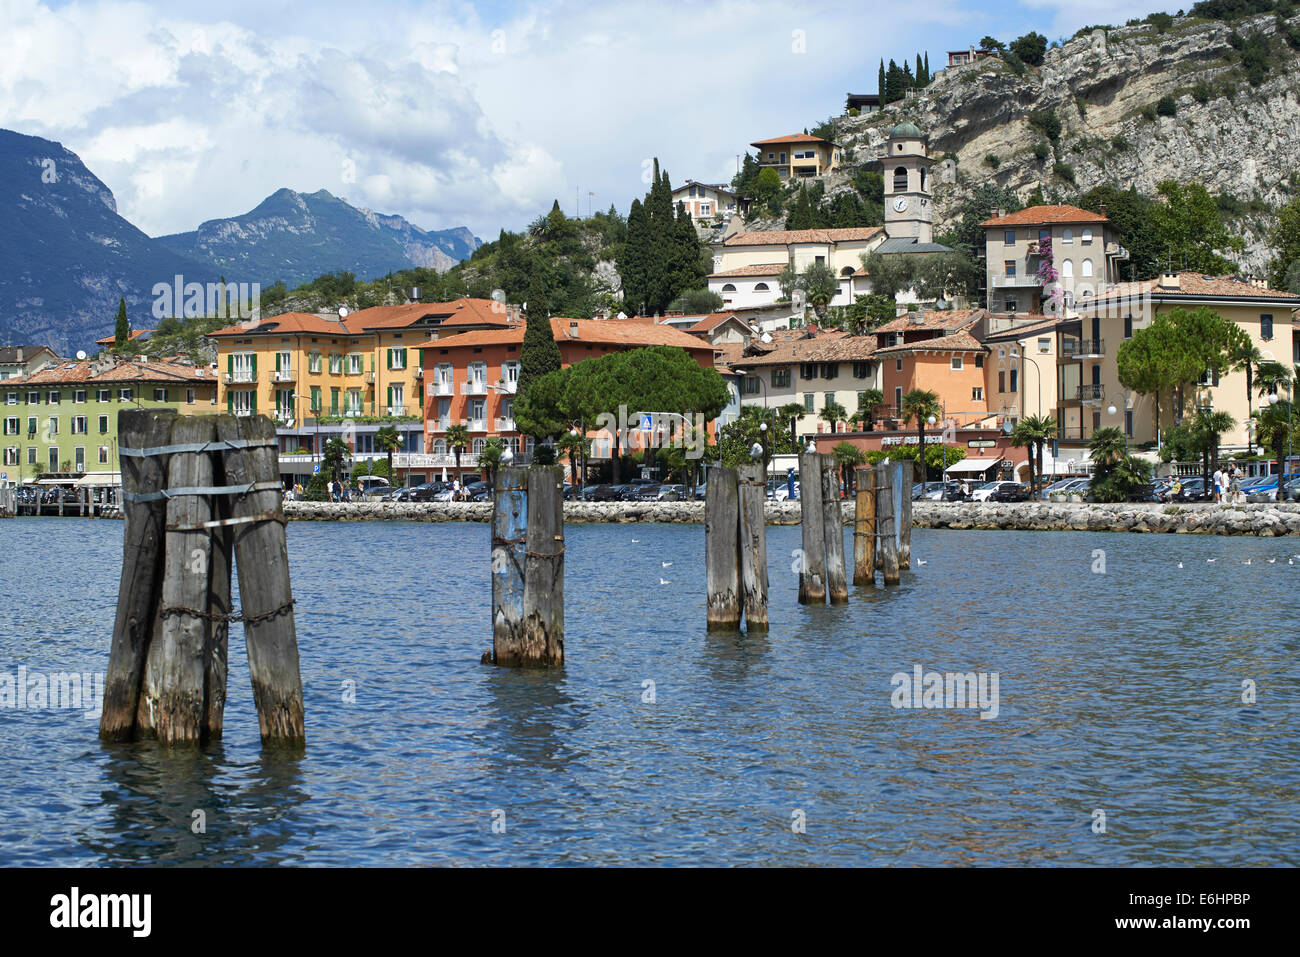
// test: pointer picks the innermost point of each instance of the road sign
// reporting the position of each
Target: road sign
(647, 423)
(315, 470)
(4, 476)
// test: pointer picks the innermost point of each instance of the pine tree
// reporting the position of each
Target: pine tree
(122, 332)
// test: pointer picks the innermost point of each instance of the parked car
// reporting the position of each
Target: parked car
(1010, 492)
(982, 492)
(645, 493)
(372, 484)
(606, 493)
(671, 493)
(629, 492)
(1189, 490)
(427, 492)
(1146, 492)
(782, 493)
(922, 490)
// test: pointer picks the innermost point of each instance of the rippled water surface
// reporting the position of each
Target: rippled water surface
(1119, 692)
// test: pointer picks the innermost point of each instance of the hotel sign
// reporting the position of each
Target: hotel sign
(981, 444)
(910, 440)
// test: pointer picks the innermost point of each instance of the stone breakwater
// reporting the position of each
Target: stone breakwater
(1264, 519)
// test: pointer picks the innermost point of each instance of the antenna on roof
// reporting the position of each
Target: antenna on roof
(343, 312)
(81, 355)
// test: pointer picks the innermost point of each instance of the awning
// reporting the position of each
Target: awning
(99, 479)
(973, 465)
(66, 481)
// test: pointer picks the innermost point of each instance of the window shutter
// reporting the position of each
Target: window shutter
(252, 401)
(230, 365)
(253, 365)
(389, 358)
(390, 396)
(230, 402)
(277, 362)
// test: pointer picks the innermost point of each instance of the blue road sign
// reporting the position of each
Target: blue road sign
(315, 470)
(647, 423)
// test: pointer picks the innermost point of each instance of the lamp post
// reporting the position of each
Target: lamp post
(762, 427)
(1273, 400)
(315, 412)
(1123, 426)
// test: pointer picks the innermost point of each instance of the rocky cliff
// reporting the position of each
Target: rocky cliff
(1104, 85)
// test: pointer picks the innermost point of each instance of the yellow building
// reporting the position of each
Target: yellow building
(798, 156)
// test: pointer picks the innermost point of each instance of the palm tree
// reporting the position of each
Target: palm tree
(833, 414)
(490, 458)
(457, 441)
(791, 412)
(1247, 356)
(1206, 428)
(387, 440)
(1108, 446)
(848, 456)
(1274, 428)
(868, 400)
(920, 405)
(1034, 431)
(573, 447)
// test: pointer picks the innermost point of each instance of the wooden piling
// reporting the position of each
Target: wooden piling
(864, 528)
(837, 584)
(543, 639)
(171, 693)
(141, 581)
(722, 549)
(812, 565)
(216, 655)
(262, 559)
(509, 556)
(886, 524)
(903, 509)
(752, 540)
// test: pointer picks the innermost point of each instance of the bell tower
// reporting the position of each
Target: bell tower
(909, 207)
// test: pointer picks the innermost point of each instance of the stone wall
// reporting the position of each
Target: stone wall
(1021, 516)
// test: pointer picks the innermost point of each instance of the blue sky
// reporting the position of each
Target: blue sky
(452, 113)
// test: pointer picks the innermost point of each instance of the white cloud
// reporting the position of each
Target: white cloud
(447, 114)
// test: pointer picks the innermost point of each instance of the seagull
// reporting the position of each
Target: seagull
(636, 541)
(1180, 564)
(920, 562)
(668, 564)
(664, 581)
(1290, 561)
(1246, 562)
(1210, 561)
(1272, 561)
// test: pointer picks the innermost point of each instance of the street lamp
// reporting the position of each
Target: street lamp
(1273, 400)
(315, 412)
(762, 427)
(1111, 410)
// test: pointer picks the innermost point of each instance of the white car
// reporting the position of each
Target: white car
(372, 484)
(982, 492)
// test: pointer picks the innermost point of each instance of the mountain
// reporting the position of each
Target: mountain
(1234, 128)
(66, 256)
(295, 237)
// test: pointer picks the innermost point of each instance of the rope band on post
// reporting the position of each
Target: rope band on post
(169, 493)
(215, 446)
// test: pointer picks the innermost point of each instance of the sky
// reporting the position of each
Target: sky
(453, 113)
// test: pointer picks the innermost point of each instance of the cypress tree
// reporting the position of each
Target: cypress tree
(122, 331)
(920, 72)
(927, 68)
(880, 84)
(690, 272)
(633, 264)
(539, 353)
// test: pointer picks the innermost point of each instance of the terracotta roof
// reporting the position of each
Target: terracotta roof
(792, 138)
(1019, 332)
(960, 341)
(123, 370)
(291, 322)
(1046, 215)
(1193, 284)
(937, 319)
(609, 331)
(135, 334)
(785, 237)
(758, 269)
(712, 321)
(834, 346)
(459, 312)
(728, 354)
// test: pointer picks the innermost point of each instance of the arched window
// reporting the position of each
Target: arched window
(900, 179)
(1085, 268)
(728, 288)
(846, 272)
(1067, 236)
(1067, 268)
(439, 446)
(1086, 235)
(478, 445)
(761, 287)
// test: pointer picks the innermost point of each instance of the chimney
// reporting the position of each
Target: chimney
(1263, 282)
(573, 330)
(1101, 209)
(1168, 280)
(20, 353)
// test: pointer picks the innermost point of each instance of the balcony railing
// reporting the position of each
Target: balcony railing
(438, 425)
(370, 378)
(504, 425)
(419, 372)
(440, 387)
(474, 387)
(1014, 282)
(1091, 393)
(509, 385)
(402, 410)
(283, 375)
(241, 377)
(477, 425)
(1082, 348)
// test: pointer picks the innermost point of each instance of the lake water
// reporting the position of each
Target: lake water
(1118, 692)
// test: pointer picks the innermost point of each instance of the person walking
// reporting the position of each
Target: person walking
(1218, 486)
(1237, 495)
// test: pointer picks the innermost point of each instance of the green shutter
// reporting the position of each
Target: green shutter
(388, 357)
(230, 402)
(252, 401)
(406, 354)
(277, 362)
(390, 397)
(253, 365)
(230, 365)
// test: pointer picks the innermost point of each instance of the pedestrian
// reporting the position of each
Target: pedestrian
(1237, 495)
(1219, 487)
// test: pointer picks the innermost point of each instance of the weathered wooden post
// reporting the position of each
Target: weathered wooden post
(722, 549)
(172, 701)
(812, 565)
(864, 528)
(141, 582)
(903, 508)
(886, 524)
(753, 546)
(837, 584)
(509, 556)
(543, 640)
(262, 557)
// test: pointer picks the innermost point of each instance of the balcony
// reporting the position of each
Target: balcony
(283, 375)
(438, 425)
(241, 377)
(1014, 282)
(1091, 393)
(1072, 349)
(282, 416)
(504, 425)
(510, 386)
(419, 372)
(369, 378)
(402, 411)
(440, 387)
(477, 425)
(474, 387)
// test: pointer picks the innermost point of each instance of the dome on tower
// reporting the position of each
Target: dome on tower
(906, 131)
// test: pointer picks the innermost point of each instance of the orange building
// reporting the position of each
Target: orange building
(939, 352)
(472, 378)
